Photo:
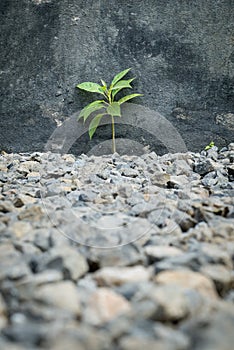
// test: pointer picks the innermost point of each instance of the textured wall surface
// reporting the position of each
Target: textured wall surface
(182, 53)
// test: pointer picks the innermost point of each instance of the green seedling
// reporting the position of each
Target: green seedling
(108, 105)
(211, 144)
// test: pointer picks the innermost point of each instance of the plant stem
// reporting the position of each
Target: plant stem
(113, 135)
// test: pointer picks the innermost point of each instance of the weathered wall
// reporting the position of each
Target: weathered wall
(181, 52)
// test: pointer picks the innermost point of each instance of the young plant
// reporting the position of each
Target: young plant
(211, 144)
(108, 104)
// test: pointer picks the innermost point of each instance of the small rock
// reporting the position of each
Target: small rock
(222, 228)
(210, 179)
(75, 336)
(179, 181)
(184, 220)
(170, 303)
(6, 206)
(160, 179)
(3, 313)
(217, 255)
(29, 166)
(68, 260)
(42, 239)
(21, 229)
(13, 266)
(188, 279)
(104, 305)
(127, 255)
(32, 213)
(222, 277)
(62, 295)
(179, 167)
(139, 343)
(128, 172)
(204, 167)
(26, 286)
(26, 248)
(29, 335)
(34, 176)
(174, 337)
(201, 232)
(108, 276)
(160, 252)
(5, 345)
(22, 200)
(212, 333)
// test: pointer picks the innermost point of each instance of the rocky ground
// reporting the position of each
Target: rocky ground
(117, 252)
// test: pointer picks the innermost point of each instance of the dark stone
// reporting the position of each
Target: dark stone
(27, 334)
(214, 336)
(204, 167)
(48, 47)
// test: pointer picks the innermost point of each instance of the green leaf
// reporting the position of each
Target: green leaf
(94, 104)
(126, 84)
(91, 87)
(91, 110)
(123, 84)
(128, 97)
(103, 83)
(211, 144)
(119, 76)
(104, 86)
(114, 109)
(94, 124)
(114, 92)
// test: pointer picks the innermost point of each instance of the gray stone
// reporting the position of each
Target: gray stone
(138, 343)
(3, 313)
(6, 206)
(184, 220)
(190, 260)
(67, 260)
(175, 338)
(179, 181)
(27, 248)
(188, 279)
(216, 335)
(204, 167)
(160, 179)
(27, 286)
(221, 276)
(31, 213)
(62, 295)
(217, 255)
(108, 276)
(5, 345)
(129, 172)
(179, 167)
(127, 255)
(169, 304)
(21, 229)
(104, 305)
(81, 337)
(12, 265)
(27, 334)
(42, 239)
(156, 253)
(210, 179)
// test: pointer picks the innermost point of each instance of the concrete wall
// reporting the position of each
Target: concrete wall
(181, 52)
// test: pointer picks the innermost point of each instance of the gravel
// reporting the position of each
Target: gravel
(117, 252)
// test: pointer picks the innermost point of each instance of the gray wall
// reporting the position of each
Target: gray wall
(181, 52)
